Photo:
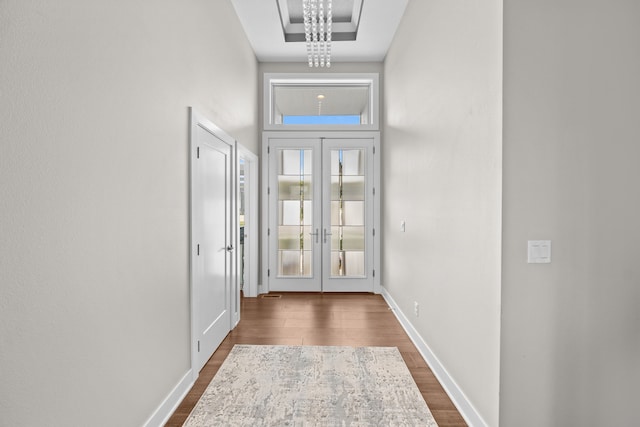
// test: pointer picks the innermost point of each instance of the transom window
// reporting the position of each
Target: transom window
(314, 102)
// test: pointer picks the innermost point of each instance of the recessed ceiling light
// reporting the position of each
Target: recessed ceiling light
(320, 97)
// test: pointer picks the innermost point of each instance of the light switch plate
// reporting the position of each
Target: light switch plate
(402, 226)
(539, 251)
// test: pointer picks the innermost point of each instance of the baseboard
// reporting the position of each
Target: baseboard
(171, 402)
(457, 396)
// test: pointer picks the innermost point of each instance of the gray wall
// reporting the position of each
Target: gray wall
(571, 329)
(94, 293)
(441, 173)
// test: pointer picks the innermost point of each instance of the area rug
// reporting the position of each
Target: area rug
(312, 386)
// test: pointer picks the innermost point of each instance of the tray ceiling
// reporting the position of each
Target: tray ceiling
(363, 29)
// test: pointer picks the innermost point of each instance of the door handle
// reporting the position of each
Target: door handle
(230, 248)
(315, 234)
(326, 234)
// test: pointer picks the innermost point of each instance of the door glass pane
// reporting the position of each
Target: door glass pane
(351, 187)
(347, 213)
(347, 238)
(292, 262)
(295, 213)
(350, 261)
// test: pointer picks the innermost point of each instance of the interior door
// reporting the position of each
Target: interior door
(321, 214)
(212, 240)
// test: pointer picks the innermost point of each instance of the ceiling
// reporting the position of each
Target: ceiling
(372, 23)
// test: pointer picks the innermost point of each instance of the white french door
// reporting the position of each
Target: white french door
(321, 212)
(294, 212)
(348, 215)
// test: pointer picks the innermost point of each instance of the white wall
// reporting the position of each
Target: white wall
(94, 294)
(571, 329)
(441, 173)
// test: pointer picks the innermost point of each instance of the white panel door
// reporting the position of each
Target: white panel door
(212, 240)
(321, 214)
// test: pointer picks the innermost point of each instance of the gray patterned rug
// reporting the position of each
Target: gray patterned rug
(312, 386)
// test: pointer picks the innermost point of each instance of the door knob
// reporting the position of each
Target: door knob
(326, 234)
(230, 248)
(315, 234)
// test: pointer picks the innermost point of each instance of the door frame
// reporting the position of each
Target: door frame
(198, 120)
(375, 135)
(251, 222)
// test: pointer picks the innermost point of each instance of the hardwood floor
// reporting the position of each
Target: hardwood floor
(324, 319)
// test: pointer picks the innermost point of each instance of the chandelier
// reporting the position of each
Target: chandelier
(317, 31)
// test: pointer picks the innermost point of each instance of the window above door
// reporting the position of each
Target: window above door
(321, 101)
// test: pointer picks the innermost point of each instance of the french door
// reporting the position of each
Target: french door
(321, 212)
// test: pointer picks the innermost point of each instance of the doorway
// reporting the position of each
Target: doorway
(321, 212)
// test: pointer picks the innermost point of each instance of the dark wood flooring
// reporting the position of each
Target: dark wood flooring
(324, 319)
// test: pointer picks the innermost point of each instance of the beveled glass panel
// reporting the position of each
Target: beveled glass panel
(347, 238)
(353, 213)
(294, 263)
(289, 162)
(288, 237)
(291, 187)
(307, 238)
(347, 213)
(295, 162)
(354, 263)
(337, 263)
(289, 212)
(307, 163)
(336, 213)
(308, 213)
(353, 188)
(347, 264)
(352, 162)
(294, 237)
